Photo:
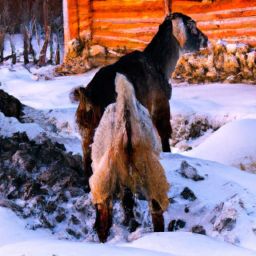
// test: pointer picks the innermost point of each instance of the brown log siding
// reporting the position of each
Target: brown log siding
(124, 24)
(231, 20)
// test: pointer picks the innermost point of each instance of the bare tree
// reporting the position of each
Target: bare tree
(47, 29)
(2, 37)
(57, 54)
(29, 31)
(30, 11)
(3, 28)
(25, 44)
(42, 56)
(12, 44)
(34, 19)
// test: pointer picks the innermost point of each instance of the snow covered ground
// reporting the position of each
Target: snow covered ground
(223, 203)
(16, 241)
(209, 107)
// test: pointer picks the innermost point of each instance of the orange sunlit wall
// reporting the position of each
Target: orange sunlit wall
(115, 24)
(232, 20)
(131, 24)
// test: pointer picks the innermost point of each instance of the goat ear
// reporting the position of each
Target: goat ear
(179, 31)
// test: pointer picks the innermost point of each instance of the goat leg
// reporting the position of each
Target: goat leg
(103, 221)
(157, 217)
(162, 123)
(128, 204)
(87, 161)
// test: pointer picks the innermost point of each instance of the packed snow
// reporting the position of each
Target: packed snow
(215, 198)
(239, 145)
(16, 241)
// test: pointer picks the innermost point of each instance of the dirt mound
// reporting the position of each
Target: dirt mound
(46, 183)
(82, 56)
(10, 106)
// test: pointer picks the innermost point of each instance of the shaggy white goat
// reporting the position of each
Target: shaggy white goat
(125, 154)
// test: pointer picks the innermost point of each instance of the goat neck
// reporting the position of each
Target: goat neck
(164, 50)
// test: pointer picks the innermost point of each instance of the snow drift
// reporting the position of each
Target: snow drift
(233, 144)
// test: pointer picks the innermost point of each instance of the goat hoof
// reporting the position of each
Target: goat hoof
(102, 238)
(158, 222)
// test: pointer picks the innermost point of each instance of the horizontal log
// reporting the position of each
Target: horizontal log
(116, 26)
(119, 43)
(234, 13)
(84, 26)
(186, 6)
(220, 33)
(251, 41)
(227, 23)
(132, 31)
(84, 4)
(127, 5)
(197, 7)
(175, 1)
(129, 21)
(115, 35)
(147, 14)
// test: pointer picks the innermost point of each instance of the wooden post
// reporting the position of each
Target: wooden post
(167, 6)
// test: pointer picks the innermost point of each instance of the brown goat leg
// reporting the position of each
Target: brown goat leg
(165, 132)
(157, 217)
(165, 145)
(128, 204)
(87, 162)
(103, 221)
(163, 126)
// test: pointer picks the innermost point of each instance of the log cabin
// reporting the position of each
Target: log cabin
(130, 24)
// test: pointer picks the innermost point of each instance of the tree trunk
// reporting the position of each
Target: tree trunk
(2, 36)
(51, 50)
(57, 55)
(14, 58)
(42, 56)
(47, 29)
(31, 49)
(25, 45)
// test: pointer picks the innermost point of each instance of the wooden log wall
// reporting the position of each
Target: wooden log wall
(231, 20)
(131, 24)
(115, 24)
(77, 17)
(126, 24)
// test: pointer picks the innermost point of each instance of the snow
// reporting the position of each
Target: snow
(216, 105)
(13, 230)
(216, 101)
(187, 244)
(42, 94)
(223, 189)
(226, 193)
(10, 125)
(239, 147)
(16, 240)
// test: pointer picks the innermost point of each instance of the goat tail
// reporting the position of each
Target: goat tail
(125, 91)
(77, 94)
(127, 113)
